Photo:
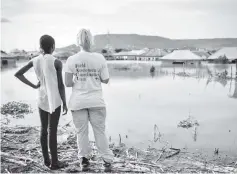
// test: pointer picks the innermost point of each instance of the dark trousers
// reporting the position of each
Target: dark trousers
(49, 121)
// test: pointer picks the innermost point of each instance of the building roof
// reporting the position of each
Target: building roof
(202, 53)
(17, 52)
(155, 52)
(5, 55)
(122, 53)
(228, 52)
(181, 55)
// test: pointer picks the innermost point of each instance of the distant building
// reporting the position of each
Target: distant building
(7, 59)
(19, 54)
(128, 55)
(145, 54)
(202, 54)
(182, 57)
(124, 56)
(229, 53)
(152, 54)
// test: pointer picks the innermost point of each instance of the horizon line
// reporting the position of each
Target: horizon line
(167, 37)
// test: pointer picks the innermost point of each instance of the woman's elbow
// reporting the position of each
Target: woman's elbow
(17, 74)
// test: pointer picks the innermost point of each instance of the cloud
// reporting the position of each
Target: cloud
(63, 18)
(3, 20)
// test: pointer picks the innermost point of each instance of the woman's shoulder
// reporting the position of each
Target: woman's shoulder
(71, 58)
(58, 64)
(99, 55)
(37, 58)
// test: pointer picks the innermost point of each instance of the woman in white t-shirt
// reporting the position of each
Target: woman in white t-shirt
(84, 72)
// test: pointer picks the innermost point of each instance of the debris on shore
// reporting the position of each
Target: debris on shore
(183, 74)
(21, 153)
(15, 109)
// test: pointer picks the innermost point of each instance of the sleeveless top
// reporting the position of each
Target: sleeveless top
(49, 97)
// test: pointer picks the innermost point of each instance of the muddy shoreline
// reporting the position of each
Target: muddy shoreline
(21, 153)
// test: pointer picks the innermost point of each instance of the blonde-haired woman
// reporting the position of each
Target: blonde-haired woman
(84, 72)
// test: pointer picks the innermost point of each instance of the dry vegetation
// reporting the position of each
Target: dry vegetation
(21, 152)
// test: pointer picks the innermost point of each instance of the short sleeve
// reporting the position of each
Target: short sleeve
(104, 74)
(67, 67)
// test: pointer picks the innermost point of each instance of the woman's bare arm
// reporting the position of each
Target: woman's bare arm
(69, 79)
(61, 87)
(104, 73)
(20, 75)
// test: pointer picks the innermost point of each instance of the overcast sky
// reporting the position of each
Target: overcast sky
(24, 21)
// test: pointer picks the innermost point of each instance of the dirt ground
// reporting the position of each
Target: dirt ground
(21, 153)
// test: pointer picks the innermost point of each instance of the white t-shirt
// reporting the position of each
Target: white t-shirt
(88, 69)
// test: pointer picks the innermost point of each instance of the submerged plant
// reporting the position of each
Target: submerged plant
(157, 134)
(195, 133)
(183, 74)
(188, 123)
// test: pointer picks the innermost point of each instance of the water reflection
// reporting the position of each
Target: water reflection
(235, 91)
(142, 70)
(234, 95)
(152, 74)
(223, 82)
(195, 133)
(7, 67)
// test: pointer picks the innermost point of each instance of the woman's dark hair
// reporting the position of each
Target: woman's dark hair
(47, 43)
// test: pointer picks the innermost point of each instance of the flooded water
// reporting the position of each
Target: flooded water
(137, 99)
